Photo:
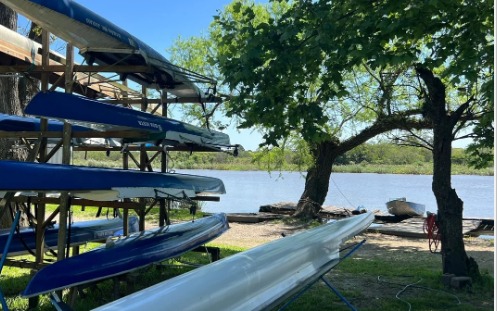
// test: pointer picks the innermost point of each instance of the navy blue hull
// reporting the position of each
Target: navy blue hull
(102, 116)
(81, 232)
(29, 176)
(11, 123)
(127, 254)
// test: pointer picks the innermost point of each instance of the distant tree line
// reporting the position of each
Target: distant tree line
(295, 158)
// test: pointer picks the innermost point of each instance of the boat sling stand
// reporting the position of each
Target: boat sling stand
(321, 277)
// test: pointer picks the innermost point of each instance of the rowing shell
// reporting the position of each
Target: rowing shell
(80, 232)
(104, 117)
(127, 254)
(103, 184)
(257, 279)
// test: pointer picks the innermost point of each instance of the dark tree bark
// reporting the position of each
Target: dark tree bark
(9, 97)
(450, 206)
(9, 104)
(317, 180)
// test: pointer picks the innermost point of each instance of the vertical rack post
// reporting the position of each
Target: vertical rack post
(40, 209)
(66, 159)
(125, 166)
(164, 204)
(143, 164)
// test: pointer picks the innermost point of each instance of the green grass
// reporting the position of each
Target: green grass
(356, 278)
(369, 283)
(412, 169)
(425, 168)
(374, 283)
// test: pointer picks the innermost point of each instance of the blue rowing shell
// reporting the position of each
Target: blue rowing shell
(127, 254)
(101, 116)
(42, 177)
(81, 232)
(11, 123)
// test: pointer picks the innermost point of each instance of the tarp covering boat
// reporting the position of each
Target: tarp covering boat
(80, 232)
(101, 116)
(103, 184)
(255, 279)
(127, 254)
(101, 41)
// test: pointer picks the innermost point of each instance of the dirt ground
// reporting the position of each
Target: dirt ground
(377, 245)
(396, 249)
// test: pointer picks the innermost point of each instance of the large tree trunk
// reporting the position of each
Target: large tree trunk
(10, 104)
(9, 97)
(317, 180)
(450, 206)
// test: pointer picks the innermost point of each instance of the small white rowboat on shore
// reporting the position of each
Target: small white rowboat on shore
(402, 207)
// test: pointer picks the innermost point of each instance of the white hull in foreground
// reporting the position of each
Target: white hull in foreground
(252, 280)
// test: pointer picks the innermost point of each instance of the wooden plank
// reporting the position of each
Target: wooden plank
(79, 202)
(413, 227)
(87, 134)
(78, 68)
(21, 53)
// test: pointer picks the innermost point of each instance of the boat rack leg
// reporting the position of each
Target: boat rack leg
(58, 304)
(328, 283)
(214, 252)
(342, 298)
(4, 256)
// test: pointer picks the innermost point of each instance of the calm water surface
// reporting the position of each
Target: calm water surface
(246, 191)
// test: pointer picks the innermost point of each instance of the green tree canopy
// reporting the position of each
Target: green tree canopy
(287, 67)
(295, 57)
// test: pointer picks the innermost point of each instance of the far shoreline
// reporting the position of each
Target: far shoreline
(407, 169)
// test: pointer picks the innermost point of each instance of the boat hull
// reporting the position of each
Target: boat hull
(127, 254)
(81, 232)
(402, 208)
(101, 116)
(255, 279)
(11, 123)
(102, 183)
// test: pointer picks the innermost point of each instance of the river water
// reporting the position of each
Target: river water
(246, 191)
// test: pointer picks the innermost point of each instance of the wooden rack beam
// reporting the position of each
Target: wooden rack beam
(77, 68)
(88, 134)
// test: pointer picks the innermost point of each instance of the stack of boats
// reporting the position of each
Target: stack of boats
(101, 42)
(102, 184)
(255, 279)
